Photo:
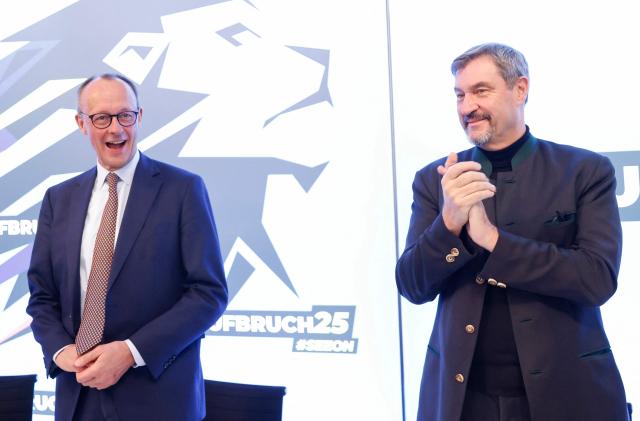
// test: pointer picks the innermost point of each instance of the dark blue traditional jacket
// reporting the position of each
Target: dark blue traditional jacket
(557, 257)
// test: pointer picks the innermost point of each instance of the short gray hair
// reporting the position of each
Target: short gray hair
(510, 62)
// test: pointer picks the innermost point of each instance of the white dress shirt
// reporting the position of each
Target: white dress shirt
(99, 196)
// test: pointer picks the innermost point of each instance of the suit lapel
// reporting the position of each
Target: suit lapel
(79, 198)
(144, 189)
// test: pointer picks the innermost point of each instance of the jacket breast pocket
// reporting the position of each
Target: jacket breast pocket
(596, 353)
(560, 229)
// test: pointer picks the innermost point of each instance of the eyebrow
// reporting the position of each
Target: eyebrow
(475, 86)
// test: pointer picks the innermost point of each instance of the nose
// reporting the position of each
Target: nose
(115, 126)
(467, 105)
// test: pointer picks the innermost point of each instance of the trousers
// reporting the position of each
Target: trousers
(95, 405)
(479, 406)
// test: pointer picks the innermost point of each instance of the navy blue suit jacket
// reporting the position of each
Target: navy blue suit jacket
(166, 288)
(558, 255)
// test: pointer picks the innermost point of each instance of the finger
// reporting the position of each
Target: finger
(452, 188)
(83, 360)
(464, 197)
(84, 375)
(456, 169)
(86, 359)
(103, 385)
(468, 177)
(88, 374)
(89, 381)
(478, 196)
(451, 159)
(82, 378)
(474, 187)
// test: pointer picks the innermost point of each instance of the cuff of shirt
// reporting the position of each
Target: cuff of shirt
(139, 362)
(59, 351)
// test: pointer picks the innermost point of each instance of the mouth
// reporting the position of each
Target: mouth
(474, 118)
(116, 144)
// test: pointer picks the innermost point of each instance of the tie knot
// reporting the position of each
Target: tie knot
(112, 180)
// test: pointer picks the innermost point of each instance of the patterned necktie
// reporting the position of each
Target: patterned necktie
(92, 322)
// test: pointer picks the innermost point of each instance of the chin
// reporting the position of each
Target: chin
(480, 139)
(115, 164)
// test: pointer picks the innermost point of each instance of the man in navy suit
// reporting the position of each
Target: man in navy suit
(520, 239)
(163, 285)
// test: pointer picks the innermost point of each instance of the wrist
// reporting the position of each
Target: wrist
(451, 226)
(491, 239)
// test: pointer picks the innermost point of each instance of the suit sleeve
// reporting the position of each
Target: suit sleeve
(586, 272)
(433, 254)
(44, 302)
(205, 291)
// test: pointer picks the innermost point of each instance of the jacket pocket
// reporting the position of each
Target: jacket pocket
(596, 353)
(560, 229)
(561, 218)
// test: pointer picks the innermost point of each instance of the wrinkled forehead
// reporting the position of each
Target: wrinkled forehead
(480, 70)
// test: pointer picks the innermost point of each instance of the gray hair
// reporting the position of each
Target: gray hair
(510, 62)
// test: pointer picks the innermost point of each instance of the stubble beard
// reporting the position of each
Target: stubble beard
(482, 139)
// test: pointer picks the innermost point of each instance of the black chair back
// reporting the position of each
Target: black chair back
(16, 397)
(243, 402)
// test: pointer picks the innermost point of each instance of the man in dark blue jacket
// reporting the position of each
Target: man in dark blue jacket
(520, 239)
(125, 276)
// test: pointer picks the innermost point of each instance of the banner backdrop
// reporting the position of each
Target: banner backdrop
(581, 93)
(298, 169)
(307, 119)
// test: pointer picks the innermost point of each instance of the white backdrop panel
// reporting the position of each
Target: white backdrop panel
(582, 93)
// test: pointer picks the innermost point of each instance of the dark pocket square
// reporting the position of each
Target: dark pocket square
(561, 218)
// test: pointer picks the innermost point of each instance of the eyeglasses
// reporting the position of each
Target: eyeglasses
(103, 120)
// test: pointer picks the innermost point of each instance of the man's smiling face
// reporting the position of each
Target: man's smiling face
(115, 145)
(490, 111)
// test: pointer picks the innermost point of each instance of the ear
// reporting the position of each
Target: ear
(80, 122)
(139, 116)
(521, 89)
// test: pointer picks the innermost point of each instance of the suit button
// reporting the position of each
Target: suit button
(479, 280)
(459, 378)
(492, 282)
(450, 258)
(469, 329)
(455, 252)
(501, 285)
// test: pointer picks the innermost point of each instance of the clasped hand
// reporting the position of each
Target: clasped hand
(99, 368)
(464, 188)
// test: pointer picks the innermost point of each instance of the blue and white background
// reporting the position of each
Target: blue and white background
(307, 120)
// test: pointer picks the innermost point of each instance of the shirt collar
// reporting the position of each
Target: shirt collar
(527, 148)
(125, 173)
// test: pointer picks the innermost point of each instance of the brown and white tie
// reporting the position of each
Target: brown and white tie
(92, 322)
